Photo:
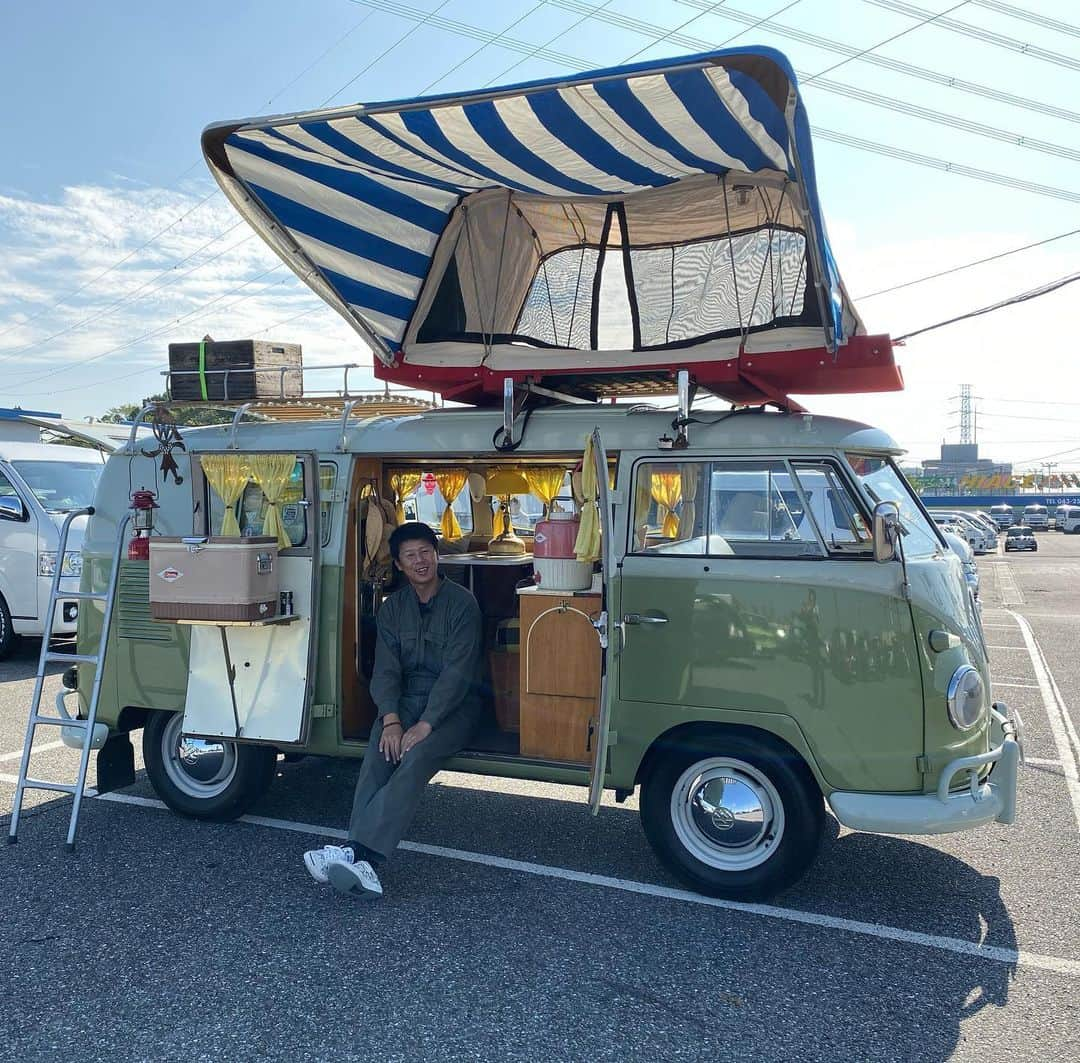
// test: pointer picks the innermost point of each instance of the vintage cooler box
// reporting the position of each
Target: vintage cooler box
(196, 370)
(217, 578)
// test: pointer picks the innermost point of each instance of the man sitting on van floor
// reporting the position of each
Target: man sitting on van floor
(426, 687)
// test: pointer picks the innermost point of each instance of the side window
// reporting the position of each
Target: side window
(721, 509)
(327, 484)
(755, 510)
(428, 504)
(9, 496)
(251, 503)
(834, 510)
(670, 507)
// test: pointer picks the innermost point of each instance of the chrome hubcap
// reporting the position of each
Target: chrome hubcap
(198, 767)
(727, 813)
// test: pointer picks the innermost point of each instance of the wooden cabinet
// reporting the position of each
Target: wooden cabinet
(560, 674)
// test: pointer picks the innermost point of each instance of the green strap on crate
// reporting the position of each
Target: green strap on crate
(202, 368)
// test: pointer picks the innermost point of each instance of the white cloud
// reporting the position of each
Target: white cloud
(50, 249)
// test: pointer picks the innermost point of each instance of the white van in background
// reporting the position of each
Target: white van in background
(39, 485)
(1036, 517)
(1069, 519)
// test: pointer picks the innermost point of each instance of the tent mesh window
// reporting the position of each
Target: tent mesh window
(558, 308)
(717, 286)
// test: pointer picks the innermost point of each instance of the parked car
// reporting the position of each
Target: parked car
(1070, 520)
(1020, 537)
(967, 559)
(1003, 515)
(39, 485)
(1036, 517)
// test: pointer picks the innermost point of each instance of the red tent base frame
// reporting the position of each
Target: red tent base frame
(864, 364)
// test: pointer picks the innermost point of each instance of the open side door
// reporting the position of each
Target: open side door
(602, 725)
(273, 664)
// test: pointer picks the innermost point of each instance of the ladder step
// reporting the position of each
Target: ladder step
(72, 658)
(58, 721)
(83, 596)
(43, 784)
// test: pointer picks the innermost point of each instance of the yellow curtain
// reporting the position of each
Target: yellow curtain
(271, 472)
(642, 499)
(403, 485)
(498, 520)
(690, 475)
(666, 488)
(587, 545)
(450, 482)
(228, 475)
(544, 482)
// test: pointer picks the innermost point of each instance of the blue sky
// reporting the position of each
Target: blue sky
(104, 104)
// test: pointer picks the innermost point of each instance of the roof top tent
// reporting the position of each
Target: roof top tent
(592, 235)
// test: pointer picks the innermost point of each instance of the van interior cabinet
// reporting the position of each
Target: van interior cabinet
(560, 674)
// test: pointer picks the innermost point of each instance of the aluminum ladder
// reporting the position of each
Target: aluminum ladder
(48, 656)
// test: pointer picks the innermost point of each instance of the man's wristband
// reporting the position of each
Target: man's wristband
(392, 723)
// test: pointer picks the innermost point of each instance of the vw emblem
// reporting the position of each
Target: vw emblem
(723, 818)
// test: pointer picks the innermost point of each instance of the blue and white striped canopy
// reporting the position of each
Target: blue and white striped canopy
(357, 199)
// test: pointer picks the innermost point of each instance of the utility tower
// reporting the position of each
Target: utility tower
(969, 430)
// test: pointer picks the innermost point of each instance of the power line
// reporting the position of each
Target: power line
(945, 166)
(966, 29)
(591, 13)
(386, 51)
(1024, 297)
(1029, 16)
(968, 265)
(104, 273)
(62, 301)
(896, 65)
(157, 331)
(942, 165)
(131, 296)
(930, 17)
(487, 44)
(671, 33)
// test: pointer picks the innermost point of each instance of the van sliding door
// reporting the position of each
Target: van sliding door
(273, 664)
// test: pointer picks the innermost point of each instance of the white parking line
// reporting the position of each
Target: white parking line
(1017, 686)
(37, 749)
(1061, 725)
(1021, 648)
(959, 946)
(1043, 762)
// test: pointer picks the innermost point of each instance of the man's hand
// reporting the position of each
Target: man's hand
(390, 742)
(414, 735)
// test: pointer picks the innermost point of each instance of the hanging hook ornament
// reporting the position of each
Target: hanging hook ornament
(168, 439)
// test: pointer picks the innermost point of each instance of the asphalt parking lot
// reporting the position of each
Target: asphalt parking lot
(517, 927)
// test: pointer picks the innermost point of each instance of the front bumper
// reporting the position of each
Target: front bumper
(993, 800)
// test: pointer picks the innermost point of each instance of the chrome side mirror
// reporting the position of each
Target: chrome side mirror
(11, 508)
(886, 531)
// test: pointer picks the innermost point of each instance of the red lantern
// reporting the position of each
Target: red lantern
(143, 505)
(428, 480)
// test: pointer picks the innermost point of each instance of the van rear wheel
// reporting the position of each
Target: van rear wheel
(732, 815)
(205, 779)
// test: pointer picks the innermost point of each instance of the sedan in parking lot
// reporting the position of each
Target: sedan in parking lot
(1020, 538)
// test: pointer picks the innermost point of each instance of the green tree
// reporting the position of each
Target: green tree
(184, 415)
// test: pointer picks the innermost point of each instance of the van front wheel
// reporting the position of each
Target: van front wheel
(732, 816)
(8, 637)
(206, 779)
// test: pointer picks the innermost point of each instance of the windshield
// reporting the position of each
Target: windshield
(885, 483)
(61, 486)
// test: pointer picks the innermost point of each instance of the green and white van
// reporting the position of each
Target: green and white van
(776, 627)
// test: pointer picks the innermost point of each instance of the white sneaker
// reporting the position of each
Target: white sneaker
(318, 860)
(358, 880)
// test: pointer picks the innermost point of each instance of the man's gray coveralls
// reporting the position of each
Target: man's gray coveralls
(427, 667)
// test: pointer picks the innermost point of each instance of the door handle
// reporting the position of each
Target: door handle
(642, 618)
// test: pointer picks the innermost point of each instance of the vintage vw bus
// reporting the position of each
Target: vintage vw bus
(775, 625)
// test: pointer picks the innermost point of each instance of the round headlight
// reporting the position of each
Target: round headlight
(966, 698)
